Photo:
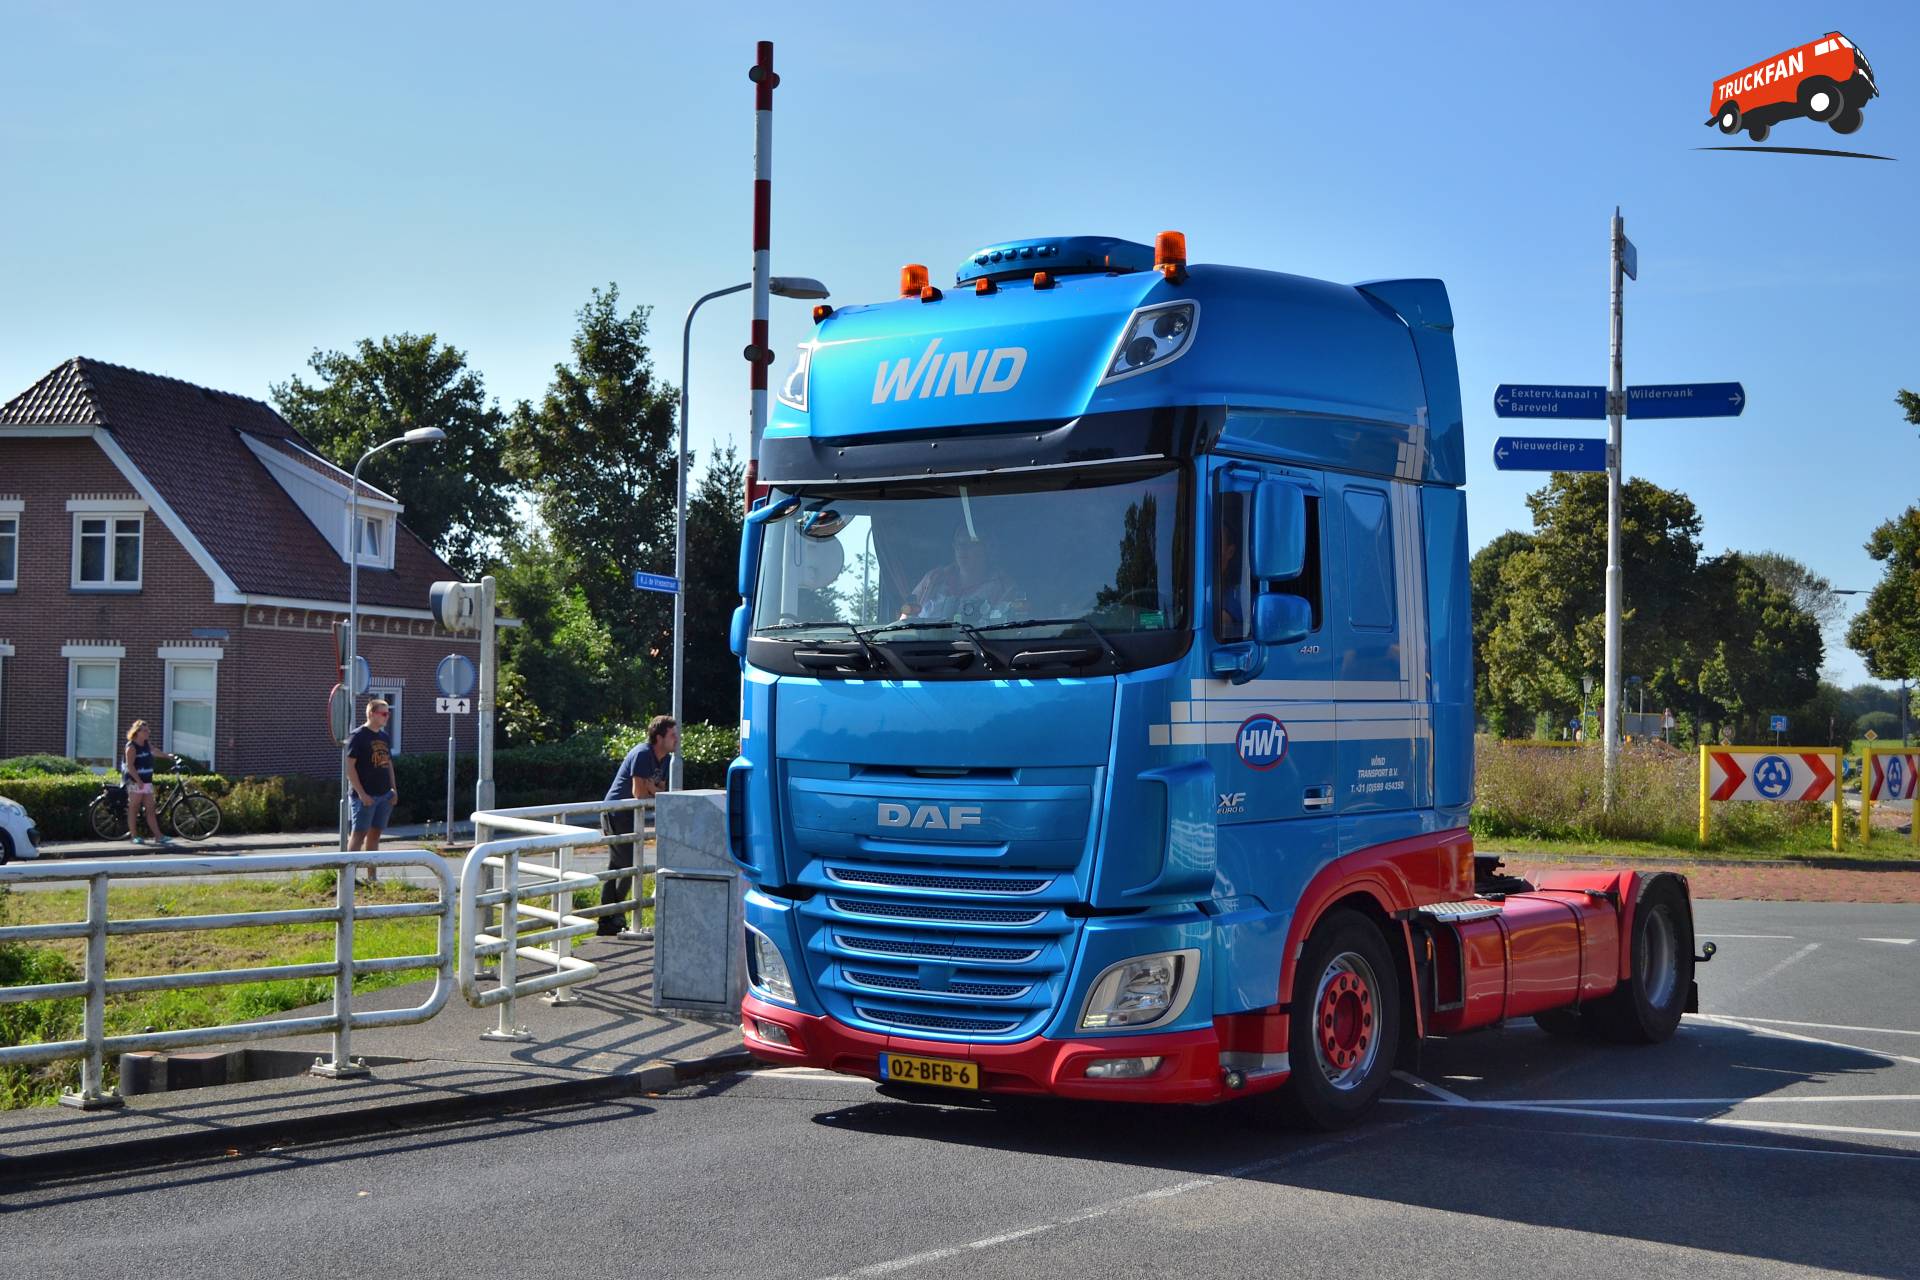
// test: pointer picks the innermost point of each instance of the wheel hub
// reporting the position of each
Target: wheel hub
(1345, 1037)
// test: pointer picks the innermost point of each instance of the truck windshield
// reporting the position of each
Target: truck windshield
(998, 559)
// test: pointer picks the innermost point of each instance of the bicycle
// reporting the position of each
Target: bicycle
(190, 811)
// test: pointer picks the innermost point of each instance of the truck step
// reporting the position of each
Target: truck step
(1458, 912)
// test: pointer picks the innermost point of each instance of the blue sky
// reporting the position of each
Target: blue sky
(213, 192)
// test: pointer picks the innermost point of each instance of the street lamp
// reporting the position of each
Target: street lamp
(781, 286)
(419, 435)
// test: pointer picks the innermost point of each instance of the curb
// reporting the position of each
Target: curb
(245, 1139)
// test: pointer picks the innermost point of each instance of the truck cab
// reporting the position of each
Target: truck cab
(1107, 687)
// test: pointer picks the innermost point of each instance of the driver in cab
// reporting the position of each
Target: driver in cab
(967, 589)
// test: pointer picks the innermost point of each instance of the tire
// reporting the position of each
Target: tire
(1646, 1008)
(6, 847)
(1846, 122)
(1729, 118)
(108, 820)
(1345, 1028)
(1822, 99)
(1758, 131)
(194, 817)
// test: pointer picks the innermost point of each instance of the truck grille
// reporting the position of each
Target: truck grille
(931, 953)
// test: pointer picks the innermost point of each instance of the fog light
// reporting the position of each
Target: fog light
(772, 1032)
(1123, 1068)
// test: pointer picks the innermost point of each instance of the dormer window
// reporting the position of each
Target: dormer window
(375, 543)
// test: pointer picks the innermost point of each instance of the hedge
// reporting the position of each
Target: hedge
(579, 768)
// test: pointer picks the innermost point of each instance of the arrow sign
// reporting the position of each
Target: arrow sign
(656, 582)
(1686, 400)
(1732, 775)
(1537, 453)
(1525, 401)
(1822, 776)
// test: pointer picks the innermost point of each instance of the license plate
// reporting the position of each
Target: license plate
(944, 1072)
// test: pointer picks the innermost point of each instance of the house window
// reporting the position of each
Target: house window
(192, 691)
(374, 539)
(106, 551)
(9, 548)
(93, 710)
(392, 694)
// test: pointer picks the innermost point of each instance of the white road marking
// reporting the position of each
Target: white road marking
(1792, 1035)
(1707, 1102)
(1822, 1026)
(1795, 958)
(892, 1265)
(1409, 1078)
(1898, 942)
(1778, 937)
(810, 1073)
(1530, 1108)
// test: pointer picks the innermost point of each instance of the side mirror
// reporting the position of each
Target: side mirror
(1281, 619)
(739, 629)
(1279, 539)
(753, 532)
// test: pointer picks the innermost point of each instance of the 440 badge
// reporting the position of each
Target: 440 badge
(1261, 742)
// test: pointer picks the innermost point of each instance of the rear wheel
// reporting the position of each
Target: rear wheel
(108, 820)
(1646, 1008)
(1821, 99)
(1758, 132)
(6, 846)
(195, 817)
(1345, 1028)
(1846, 122)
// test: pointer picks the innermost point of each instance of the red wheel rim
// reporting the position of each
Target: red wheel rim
(1345, 1028)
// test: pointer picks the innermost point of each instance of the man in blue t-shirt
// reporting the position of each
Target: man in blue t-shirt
(642, 774)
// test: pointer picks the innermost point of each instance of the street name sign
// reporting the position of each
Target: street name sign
(1520, 400)
(1544, 453)
(1686, 400)
(656, 582)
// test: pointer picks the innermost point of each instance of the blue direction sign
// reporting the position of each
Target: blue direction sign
(1542, 453)
(1686, 400)
(655, 582)
(1520, 401)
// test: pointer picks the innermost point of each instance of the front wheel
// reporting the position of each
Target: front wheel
(1345, 1025)
(195, 817)
(108, 820)
(1758, 132)
(1729, 120)
(1821, 99)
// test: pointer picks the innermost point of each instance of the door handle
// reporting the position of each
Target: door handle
(1318, 797)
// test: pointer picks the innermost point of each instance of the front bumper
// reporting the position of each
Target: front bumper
(1190, 1073)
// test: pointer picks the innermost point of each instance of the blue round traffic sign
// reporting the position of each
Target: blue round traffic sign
(455, 675)
(1772, 776)
(1896, 780)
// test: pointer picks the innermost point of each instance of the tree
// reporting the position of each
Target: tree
(713, 589)
(1762, 654)
(598, 454)
(1504, 717)
(1886, 634)
(1811, 593)
(458, 496)
(559, 667)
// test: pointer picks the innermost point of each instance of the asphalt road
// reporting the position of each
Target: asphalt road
(1777, 1133)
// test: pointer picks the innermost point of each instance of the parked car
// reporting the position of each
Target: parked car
(19, 838)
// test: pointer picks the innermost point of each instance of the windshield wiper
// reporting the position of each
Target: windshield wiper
(1113, 655)
(971, 632)
(861, 638)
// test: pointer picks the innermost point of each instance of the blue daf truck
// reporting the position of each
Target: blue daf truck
(1107, 724)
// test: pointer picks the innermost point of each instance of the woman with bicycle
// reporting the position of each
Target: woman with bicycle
(136, 768)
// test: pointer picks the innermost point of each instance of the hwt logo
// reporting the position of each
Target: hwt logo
(1261, 742)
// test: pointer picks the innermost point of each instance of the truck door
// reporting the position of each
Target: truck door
(1376, 608)
(1272, 739)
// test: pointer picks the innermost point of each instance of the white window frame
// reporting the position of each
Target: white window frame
(6, 651)
(76, 655)
(381, 521)
(112, 510)
(10, 513)
(175, 656)
(395, 695)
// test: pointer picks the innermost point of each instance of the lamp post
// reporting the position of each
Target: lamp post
(781, 286)
(419, 435)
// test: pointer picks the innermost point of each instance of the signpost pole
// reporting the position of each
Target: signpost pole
(1866, 794)
(1704, 810)
(452, 746)
(483, 783)
(1616, 409)
(1837, 806)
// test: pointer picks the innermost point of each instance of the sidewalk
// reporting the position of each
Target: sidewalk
(608, 1044)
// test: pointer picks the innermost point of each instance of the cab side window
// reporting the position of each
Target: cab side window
(1232, 592)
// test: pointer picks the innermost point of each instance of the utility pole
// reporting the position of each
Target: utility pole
(1621, 266)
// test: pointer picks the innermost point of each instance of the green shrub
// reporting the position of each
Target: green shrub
(39, 766)
(35, 1021)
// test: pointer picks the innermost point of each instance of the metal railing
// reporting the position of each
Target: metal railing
(94, 1044)
(494, 880)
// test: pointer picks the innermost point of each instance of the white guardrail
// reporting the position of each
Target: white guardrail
(497, 879)
(343, 1020)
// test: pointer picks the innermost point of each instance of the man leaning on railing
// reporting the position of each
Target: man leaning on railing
(642, 775)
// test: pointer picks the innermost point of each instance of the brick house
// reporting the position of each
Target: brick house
(178, 555)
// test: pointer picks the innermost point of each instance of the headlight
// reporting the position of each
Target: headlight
(767, 968)
(793, 392)
(1141, 992)
(1154, 336)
